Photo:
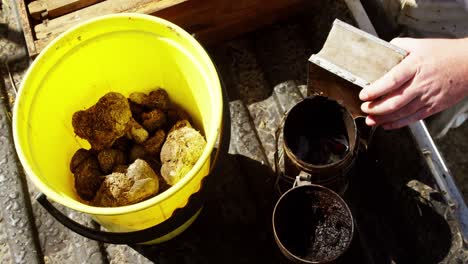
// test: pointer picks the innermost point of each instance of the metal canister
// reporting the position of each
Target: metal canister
(316, 119)
(312, 224)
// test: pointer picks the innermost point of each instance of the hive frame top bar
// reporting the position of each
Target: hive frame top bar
(355, 55)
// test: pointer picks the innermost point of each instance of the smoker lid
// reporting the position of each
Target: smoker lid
(350, 60)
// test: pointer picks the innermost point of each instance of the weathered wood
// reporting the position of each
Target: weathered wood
(211, 21)
(27, 29)
(40, 44)
(41, 9)
(58, 25)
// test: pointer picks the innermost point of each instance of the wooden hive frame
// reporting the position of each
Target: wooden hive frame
(210, 21)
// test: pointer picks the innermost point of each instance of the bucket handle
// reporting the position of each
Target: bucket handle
(176, 220)
(133, 237)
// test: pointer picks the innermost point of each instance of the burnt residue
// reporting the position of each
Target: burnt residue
(313, 224)
(315, 131)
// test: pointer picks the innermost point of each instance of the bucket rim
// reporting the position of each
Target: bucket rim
(211, 135)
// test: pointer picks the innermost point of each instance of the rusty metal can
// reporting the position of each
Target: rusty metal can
(312, 224)
(320, 137)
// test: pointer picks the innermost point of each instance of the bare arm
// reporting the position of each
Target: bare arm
(433, 77)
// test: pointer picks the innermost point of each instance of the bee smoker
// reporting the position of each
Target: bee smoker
(322, 136)
(330, 119)
(320, 139)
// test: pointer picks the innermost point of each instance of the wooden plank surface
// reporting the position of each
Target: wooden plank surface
(211, 21)
(58, 25)
(27, 29)
(42, 9)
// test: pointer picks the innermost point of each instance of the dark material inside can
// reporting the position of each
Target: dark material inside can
(315, 131)
(312, 224)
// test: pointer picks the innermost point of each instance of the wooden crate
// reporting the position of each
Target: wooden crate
(210, 21)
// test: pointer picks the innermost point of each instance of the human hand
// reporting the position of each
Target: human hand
(433, 77)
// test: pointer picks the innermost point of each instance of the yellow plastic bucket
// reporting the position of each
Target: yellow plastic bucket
(123, 53)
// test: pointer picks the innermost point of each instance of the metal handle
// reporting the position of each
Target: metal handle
(303, 178)
(180, 216)
(134, 237)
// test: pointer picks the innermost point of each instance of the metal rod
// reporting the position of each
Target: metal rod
(442, 175)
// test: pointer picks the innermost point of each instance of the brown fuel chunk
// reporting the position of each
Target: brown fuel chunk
(118, 189)
(123, 144)
(153, 144)
(137, 132)
(180, 124)
(104, 122)
(176, 114)
(155, 99)
(109, 158)
(181, 150)
(146, 182)
(138, 98)
(153, 120)
(137, 152)
(158, 99)
(88, 178)
(112, 190)
(120, 168)
(137, 109)
(78, 158)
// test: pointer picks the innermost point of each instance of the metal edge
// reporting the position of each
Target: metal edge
(442, 175)
(383, 43)
(345, 74)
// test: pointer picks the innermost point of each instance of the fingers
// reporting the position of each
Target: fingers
(400, 102)
(392, 80)
(404, 43)
(420, 114)
(391, 102)
(415, 105)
